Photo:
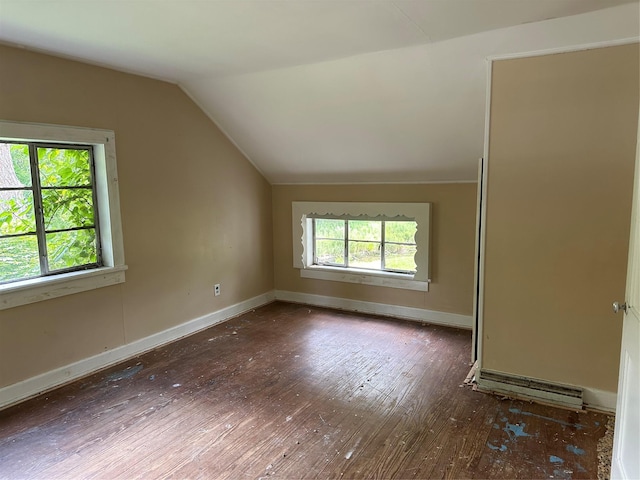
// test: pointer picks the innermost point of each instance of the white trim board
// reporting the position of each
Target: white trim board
(419, 182)
(601, 400)
(363, 277)
(12, 394)
(30, 387)
(565, 49)
(397, 311)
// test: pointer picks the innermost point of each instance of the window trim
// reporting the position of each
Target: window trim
(23, 292)
(364, 277)
(302, 233)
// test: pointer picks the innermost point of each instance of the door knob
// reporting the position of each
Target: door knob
(617, 307)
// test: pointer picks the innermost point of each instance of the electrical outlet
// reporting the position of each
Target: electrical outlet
(216, 289)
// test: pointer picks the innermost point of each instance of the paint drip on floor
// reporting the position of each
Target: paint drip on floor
(126, 373)
(516, 432)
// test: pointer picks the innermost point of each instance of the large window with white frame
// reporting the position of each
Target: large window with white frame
(384, 244)
(60, 227)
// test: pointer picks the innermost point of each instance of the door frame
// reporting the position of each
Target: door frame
(481, 230)
(630, 319)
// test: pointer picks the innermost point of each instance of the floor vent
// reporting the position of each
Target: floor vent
(514, 385)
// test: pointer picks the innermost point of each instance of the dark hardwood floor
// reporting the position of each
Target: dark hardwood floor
(290, 391)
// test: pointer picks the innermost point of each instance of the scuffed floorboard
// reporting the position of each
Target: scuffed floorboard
(289, 391)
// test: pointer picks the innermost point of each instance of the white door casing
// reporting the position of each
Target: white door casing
(626, 445)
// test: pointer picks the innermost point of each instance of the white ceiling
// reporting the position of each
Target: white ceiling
(324, 91)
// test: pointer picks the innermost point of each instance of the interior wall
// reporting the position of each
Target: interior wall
(452, 243)
(195, 212)
(560, 175)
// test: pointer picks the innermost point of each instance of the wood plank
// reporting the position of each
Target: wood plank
(289, 391)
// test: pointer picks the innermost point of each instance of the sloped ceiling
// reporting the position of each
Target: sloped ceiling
(325, 91)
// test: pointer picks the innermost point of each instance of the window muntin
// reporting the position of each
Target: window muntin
(48, 210)
(378, 245)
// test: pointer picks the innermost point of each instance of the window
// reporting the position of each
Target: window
(60, 228)
(381, 245)
(48, 216)
(384, 244)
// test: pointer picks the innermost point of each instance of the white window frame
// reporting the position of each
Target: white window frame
(113, 270)
(302, 214)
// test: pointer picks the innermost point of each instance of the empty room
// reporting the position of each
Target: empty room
(319, 239)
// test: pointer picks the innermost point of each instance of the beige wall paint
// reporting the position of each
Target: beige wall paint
(561, 158)
(195, 212)
(452, 243)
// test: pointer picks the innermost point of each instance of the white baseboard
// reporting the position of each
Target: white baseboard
(602, 400)
(409, 313)
(30, 387)
(593, 398)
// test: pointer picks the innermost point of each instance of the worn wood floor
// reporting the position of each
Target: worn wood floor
(289, 391)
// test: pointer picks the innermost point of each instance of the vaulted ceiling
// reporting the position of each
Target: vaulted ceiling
(325, 91)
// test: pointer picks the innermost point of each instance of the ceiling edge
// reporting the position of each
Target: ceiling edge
(424, 182)
(72, 58)
(87, 61)
(566, 49)
(228, 137)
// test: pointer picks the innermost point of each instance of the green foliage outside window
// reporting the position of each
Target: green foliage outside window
(67, 217)
(365, 246)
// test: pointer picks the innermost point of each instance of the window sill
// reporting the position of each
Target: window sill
(352, 275)
(43, 288)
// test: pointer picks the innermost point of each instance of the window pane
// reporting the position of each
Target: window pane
(326, 228)
(330, 252)
(15, 170)
(401, 232)
(365, 255)
(19, 258)
(16, 212)
(67, 208)
(64, 167)
(399, 257)
(71, 249)
(365, 230)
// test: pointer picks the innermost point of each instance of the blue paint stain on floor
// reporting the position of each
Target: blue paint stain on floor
(517, 435)
(566, 474)
(502, 448)
(516, 430)
(575, 450)
(577, 426)
(126, 373)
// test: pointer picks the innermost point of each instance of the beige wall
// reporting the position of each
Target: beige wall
(562, 141)
(194, 212)
(452, 243)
